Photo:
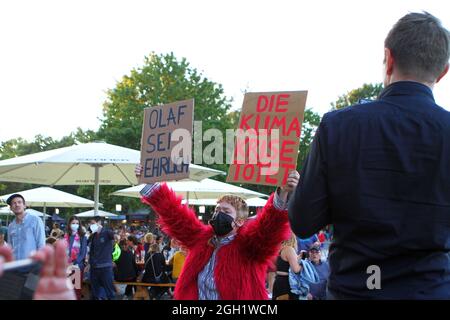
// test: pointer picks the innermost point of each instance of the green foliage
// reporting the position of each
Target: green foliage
(20, 147)
(162, 79)
(367, 91)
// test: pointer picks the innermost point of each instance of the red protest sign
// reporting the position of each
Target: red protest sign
(268, 137)
(164, 156)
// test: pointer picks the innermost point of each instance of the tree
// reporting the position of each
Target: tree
(162, 79)
(367, 91)
(19, 147)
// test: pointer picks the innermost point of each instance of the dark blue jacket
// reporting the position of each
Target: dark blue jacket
(380, 173)
(80, 261)
(101, 248)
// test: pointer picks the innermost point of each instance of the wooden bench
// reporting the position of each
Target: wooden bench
(141, 288)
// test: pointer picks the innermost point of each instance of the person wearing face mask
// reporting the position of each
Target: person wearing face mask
(100, 261)
(76, 243)
(228, 259)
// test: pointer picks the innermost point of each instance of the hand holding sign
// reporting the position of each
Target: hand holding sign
(138, 171)
(268, 138)
(291, 184)
(163, 156)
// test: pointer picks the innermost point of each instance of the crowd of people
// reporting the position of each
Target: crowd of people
(129, 254)
(102, 254)
(373, 192)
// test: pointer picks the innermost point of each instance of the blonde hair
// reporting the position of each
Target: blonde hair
(238, 203)
(291, 242)
(149, 237)
(154, 248)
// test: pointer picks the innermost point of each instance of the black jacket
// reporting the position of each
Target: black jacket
(126, 268)
(157, 262)
(380, 173)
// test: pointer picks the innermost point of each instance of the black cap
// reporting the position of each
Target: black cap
(11, 197)
(315, 248)
(96, 218)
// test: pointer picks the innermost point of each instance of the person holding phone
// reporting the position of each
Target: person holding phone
(52, 284)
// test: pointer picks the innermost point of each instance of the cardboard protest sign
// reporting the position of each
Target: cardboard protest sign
(166, 143)
(268, 137)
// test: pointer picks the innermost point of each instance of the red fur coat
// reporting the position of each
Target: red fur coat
(241, 266)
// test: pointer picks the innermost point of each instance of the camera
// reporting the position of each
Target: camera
(304, 255)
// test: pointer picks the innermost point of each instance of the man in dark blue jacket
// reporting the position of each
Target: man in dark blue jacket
(380, 173)
(100, 261)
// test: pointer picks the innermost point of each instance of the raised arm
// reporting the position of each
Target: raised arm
(177, 220)
(261, 238)
(289, 254)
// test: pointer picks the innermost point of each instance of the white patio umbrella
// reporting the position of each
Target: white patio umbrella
(253, 202)
(95, 163)
(205, 189)
(49, 197)
(7, 212)
(91, 213)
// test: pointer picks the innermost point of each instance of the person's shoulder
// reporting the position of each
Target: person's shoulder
(354, 110)
(31, 216)
(442, 114)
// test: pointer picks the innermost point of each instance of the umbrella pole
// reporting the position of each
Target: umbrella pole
(97, 189)
(187, 198)
(43, 216)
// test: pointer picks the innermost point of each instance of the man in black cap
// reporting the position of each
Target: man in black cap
(25, 236)
(25, 232)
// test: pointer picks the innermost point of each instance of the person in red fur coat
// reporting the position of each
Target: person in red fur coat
(228, 259)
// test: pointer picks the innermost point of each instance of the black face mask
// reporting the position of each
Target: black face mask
(221, 223)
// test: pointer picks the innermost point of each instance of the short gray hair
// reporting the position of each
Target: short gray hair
(420, 46)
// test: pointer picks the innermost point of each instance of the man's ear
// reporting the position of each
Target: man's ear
(389, 61)
(443, 73)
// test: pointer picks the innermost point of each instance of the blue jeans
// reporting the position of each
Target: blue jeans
(102, 285)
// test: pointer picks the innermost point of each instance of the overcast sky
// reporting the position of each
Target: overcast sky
(58, 58)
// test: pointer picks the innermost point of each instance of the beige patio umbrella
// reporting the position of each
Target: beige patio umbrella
(48, 197)
(91, 214)
(7, 212)
(95, 163)
(204, 189)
